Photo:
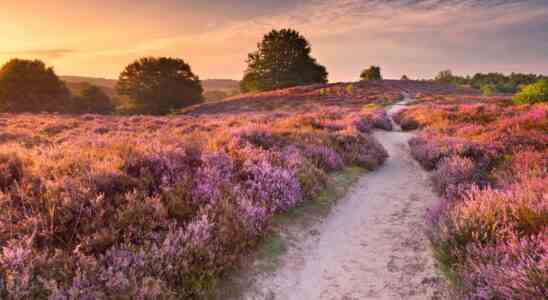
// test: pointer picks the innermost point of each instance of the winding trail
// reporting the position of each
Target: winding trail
(371, 246)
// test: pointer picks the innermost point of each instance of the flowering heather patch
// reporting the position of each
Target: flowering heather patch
(490, 162)
(307, 98)
(99, 207)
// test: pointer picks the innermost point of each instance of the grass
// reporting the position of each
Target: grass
(269, 253)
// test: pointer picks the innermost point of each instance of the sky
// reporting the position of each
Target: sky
(413, 37)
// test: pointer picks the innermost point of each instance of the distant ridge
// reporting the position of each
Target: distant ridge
(227, 85)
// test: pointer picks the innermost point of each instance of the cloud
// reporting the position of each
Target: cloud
(327, 18)
(40, 53)
(418, 37)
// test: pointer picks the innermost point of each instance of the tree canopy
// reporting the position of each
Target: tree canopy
(160, 85)
(282, 60)
(30, 86)
(445, 76)
(372, 73)
(496, 82)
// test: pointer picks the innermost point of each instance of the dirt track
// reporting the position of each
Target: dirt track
(371, 246)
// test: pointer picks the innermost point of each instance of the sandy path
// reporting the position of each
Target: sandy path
(371, 246)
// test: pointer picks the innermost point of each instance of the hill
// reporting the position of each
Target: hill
(305, 98)
(75, 84)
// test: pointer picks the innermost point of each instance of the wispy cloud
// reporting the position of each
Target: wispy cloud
(40, 53)
(424, 31)
(417, 37)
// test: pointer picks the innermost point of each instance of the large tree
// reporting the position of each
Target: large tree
(372, 73)
(282, 60)
(30, 86)
(160, 85)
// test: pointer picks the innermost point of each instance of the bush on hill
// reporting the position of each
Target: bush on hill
(93, 100)
(30, 86)
(533, 93)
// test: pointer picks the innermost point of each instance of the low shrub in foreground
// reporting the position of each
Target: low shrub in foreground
(98, 207)
(490, 164)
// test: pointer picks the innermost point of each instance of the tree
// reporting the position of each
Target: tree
(93, 100)
(445, 76)
(372, 73)
(533, 93)
(29, 86)
(282, 60)
(160, 85)
(404, 77)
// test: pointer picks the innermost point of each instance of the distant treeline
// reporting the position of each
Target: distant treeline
(163, 85)
(497, 82)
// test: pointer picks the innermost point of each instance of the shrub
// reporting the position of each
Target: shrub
(533, 93)
(379, 119)
(489, 164)
(29, 86)
(93, 101)
(454, 175)
(487, 90)
(145, 207)
(362, 150)
(11, 170)
(407, 123)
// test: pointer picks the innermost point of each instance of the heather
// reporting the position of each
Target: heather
(142, 207)
(490, 163)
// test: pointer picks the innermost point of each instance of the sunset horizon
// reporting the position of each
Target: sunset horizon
(281, 149)
(416, 38)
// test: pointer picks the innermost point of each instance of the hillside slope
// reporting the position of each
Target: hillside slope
(225, 85)
(303, 98)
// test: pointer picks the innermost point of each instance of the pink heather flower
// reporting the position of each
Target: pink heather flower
(274, 188)
(454, 175)
(325, 157)
(213, 178)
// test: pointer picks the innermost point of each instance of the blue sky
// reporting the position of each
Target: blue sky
(413, 37)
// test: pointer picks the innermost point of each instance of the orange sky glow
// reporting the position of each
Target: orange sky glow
(417, 38)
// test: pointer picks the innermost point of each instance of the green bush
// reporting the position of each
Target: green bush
(488, 90)
(533, 93)
(93, 100)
